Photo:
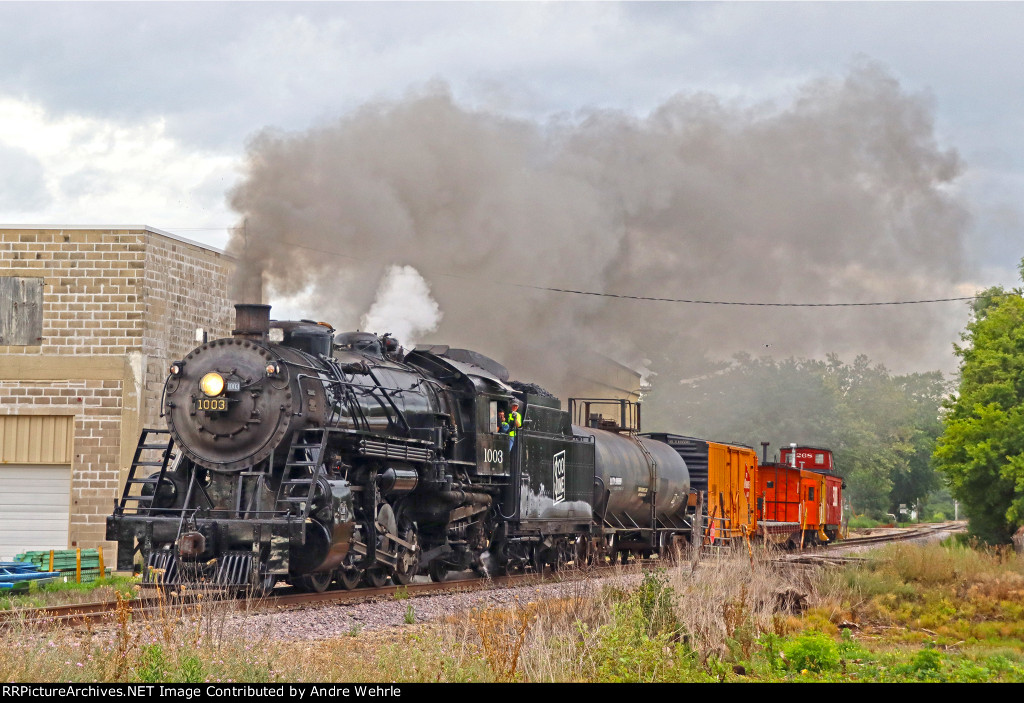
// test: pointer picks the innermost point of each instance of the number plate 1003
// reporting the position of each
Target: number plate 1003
(212, 404)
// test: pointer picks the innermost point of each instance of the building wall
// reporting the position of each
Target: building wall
(118, 305)
(96, 405)
(185, 288)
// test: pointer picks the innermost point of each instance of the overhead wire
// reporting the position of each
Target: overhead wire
(689, 301)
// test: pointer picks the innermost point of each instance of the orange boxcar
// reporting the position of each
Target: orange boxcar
(727, 474)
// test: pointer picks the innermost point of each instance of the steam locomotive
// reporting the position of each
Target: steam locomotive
(294, 453)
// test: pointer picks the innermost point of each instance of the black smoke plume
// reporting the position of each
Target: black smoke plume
(839, 193)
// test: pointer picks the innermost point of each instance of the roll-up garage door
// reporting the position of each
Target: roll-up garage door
(35, 482)
(35, 503)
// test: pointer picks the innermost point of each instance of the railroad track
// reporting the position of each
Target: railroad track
(827, 554)
(174, 604)
(907, 534)
(168, 604)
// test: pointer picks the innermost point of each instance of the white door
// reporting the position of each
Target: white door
(35, 504)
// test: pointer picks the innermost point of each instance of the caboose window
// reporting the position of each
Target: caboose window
(819, 459)
(771, 484)
(810, 493)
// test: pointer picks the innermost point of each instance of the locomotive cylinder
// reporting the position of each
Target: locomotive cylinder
(624, 488)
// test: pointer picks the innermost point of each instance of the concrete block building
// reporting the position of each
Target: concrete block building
(90, 319)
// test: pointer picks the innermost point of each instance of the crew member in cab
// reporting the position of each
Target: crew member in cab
(515, 421)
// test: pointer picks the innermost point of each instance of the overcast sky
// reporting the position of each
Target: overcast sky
(126, 113)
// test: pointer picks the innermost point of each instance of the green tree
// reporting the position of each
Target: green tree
(981, 450)
(916, 478)
(880, 426)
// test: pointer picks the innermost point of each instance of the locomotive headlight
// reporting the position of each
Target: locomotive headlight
(212, 384)
(273, 369)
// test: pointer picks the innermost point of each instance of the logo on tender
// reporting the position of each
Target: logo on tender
(558, 467)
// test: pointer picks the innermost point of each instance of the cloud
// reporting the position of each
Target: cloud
(74, 169)
(211, 74)
(22, 182)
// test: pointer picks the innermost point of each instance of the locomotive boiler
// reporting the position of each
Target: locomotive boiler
(294, 453)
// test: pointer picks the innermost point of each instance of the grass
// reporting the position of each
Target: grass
(859, 522)
(173, 647)
(943, 613)
(946, 594)
(70, 593)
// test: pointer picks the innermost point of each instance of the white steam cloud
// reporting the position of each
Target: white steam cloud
(403, 307)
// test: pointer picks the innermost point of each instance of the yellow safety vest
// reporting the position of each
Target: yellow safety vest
(514, 420)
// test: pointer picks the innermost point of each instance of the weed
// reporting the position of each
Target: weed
(502, 634)
(410, 615)
(862, 521)
(771, 650)
(123, 642)
(628, 653)
(657, 602)
(190, 669)
(813, 651)
(740, 628)
(849, 648)
(152, 665)
(69, 593)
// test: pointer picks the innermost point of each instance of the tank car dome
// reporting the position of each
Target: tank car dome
(247, 414)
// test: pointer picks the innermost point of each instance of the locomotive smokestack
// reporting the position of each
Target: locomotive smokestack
(252, 321)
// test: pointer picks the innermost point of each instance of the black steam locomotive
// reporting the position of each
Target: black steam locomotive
(294, 453)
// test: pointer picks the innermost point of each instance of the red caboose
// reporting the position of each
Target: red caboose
(801, 497)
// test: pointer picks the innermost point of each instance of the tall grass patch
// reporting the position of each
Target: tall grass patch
(179, 644)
